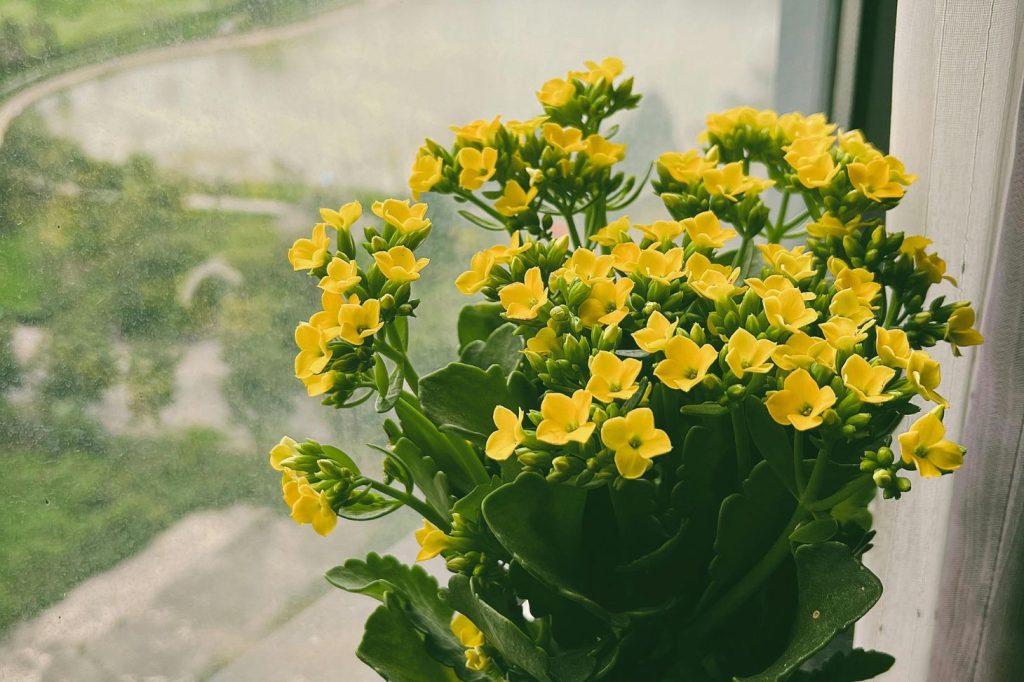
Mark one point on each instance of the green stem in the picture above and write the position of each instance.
(742, 440)
(844, 493)
(741, 252)
(780, 221)
(893, 309)
(798, 462)
(424, 509)
(574, 234)
(472, 198)
(408, 371)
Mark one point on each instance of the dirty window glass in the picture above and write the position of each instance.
(157, 159)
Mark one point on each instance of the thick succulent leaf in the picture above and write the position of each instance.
(835, 590)
(396, 650)
(500, 632)
(463, 396)
(748, 524)
(771, 441)
(818, 530)
(541, 526)
(383, 577)
(847, 666)
(477, 321)
(450, 454)
(387, 398)
(502, 348)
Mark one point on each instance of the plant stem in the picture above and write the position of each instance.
(844, 493)
(798, 462)
(893, 308)
(473, 199)
(780, 221)
(424, 509)
(742, 439)
(741, 252)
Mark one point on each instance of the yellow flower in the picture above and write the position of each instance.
(800, 402)
(508, 434)
(565, 140)
(730, 181)
(360, 320)
(318, 384)
(635, 441)
(399, 264)
(480, 131)
(476, 659)
(817, 172)
(801, 351)
(842, 333)
(504, 253)
(858, 280)
(626, 255)
(875, 180)
(313, 351)
(408, 219)
(688, 167)
(426, 172)
(854, 144)
(543, 342)
(475, 279)
(809, 156)
(585, 265)
(522, 300)
(706, 231)
(565, 419)
(523, 128)
(794, 263)
(342, 275)
(656, 334)
(748, 354)
(710, 280)
(432, 541)
(307, 254)
(846, 304)
(556, 92)
(613, 233)
(467, 633)
(933, 267)
(892, 346)
(685, 364)
(285, 448)
(345, 217)
(515, 199)
(773, 285)
(606, 303)
(612, 378)
(914, 243)
(925, 445)
(786, 310)
(601, 152)
(663, 267)
(311, 506)
(830, 226)
(608, 70)
(662, 231)
(795, 125)
(867, 381)
(477, 166)
(960, 329)
(327, 319)
(925, 374)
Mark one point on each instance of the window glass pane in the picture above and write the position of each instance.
(147, 199)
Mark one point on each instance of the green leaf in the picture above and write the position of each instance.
(815, 531)
(380, 577)
(541, 525)
(395, 382)
(835, 590)
(388, 631)
(340, 457)
(502, 348)
(452, 455)
(499, 632)
(477, 321)
(425, 475)
(480, 221)
(464, 397)
(847, 666)
(770, 439)
(523, 392)
(704, 410)
(748, 524)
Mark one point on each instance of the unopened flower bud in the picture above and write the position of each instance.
(885, 456)
(882, 478)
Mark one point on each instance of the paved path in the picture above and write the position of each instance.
(232, 595)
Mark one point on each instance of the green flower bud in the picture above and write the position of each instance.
(882, 478)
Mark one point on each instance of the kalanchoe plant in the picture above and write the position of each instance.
(654, 456)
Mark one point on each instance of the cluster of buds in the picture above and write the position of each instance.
(364, 309)
(467, 548)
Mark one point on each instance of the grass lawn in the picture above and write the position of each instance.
(66, 517)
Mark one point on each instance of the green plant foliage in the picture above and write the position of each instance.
(502, 348)
(847, 666)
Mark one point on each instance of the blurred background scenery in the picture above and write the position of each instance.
(157, 159)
